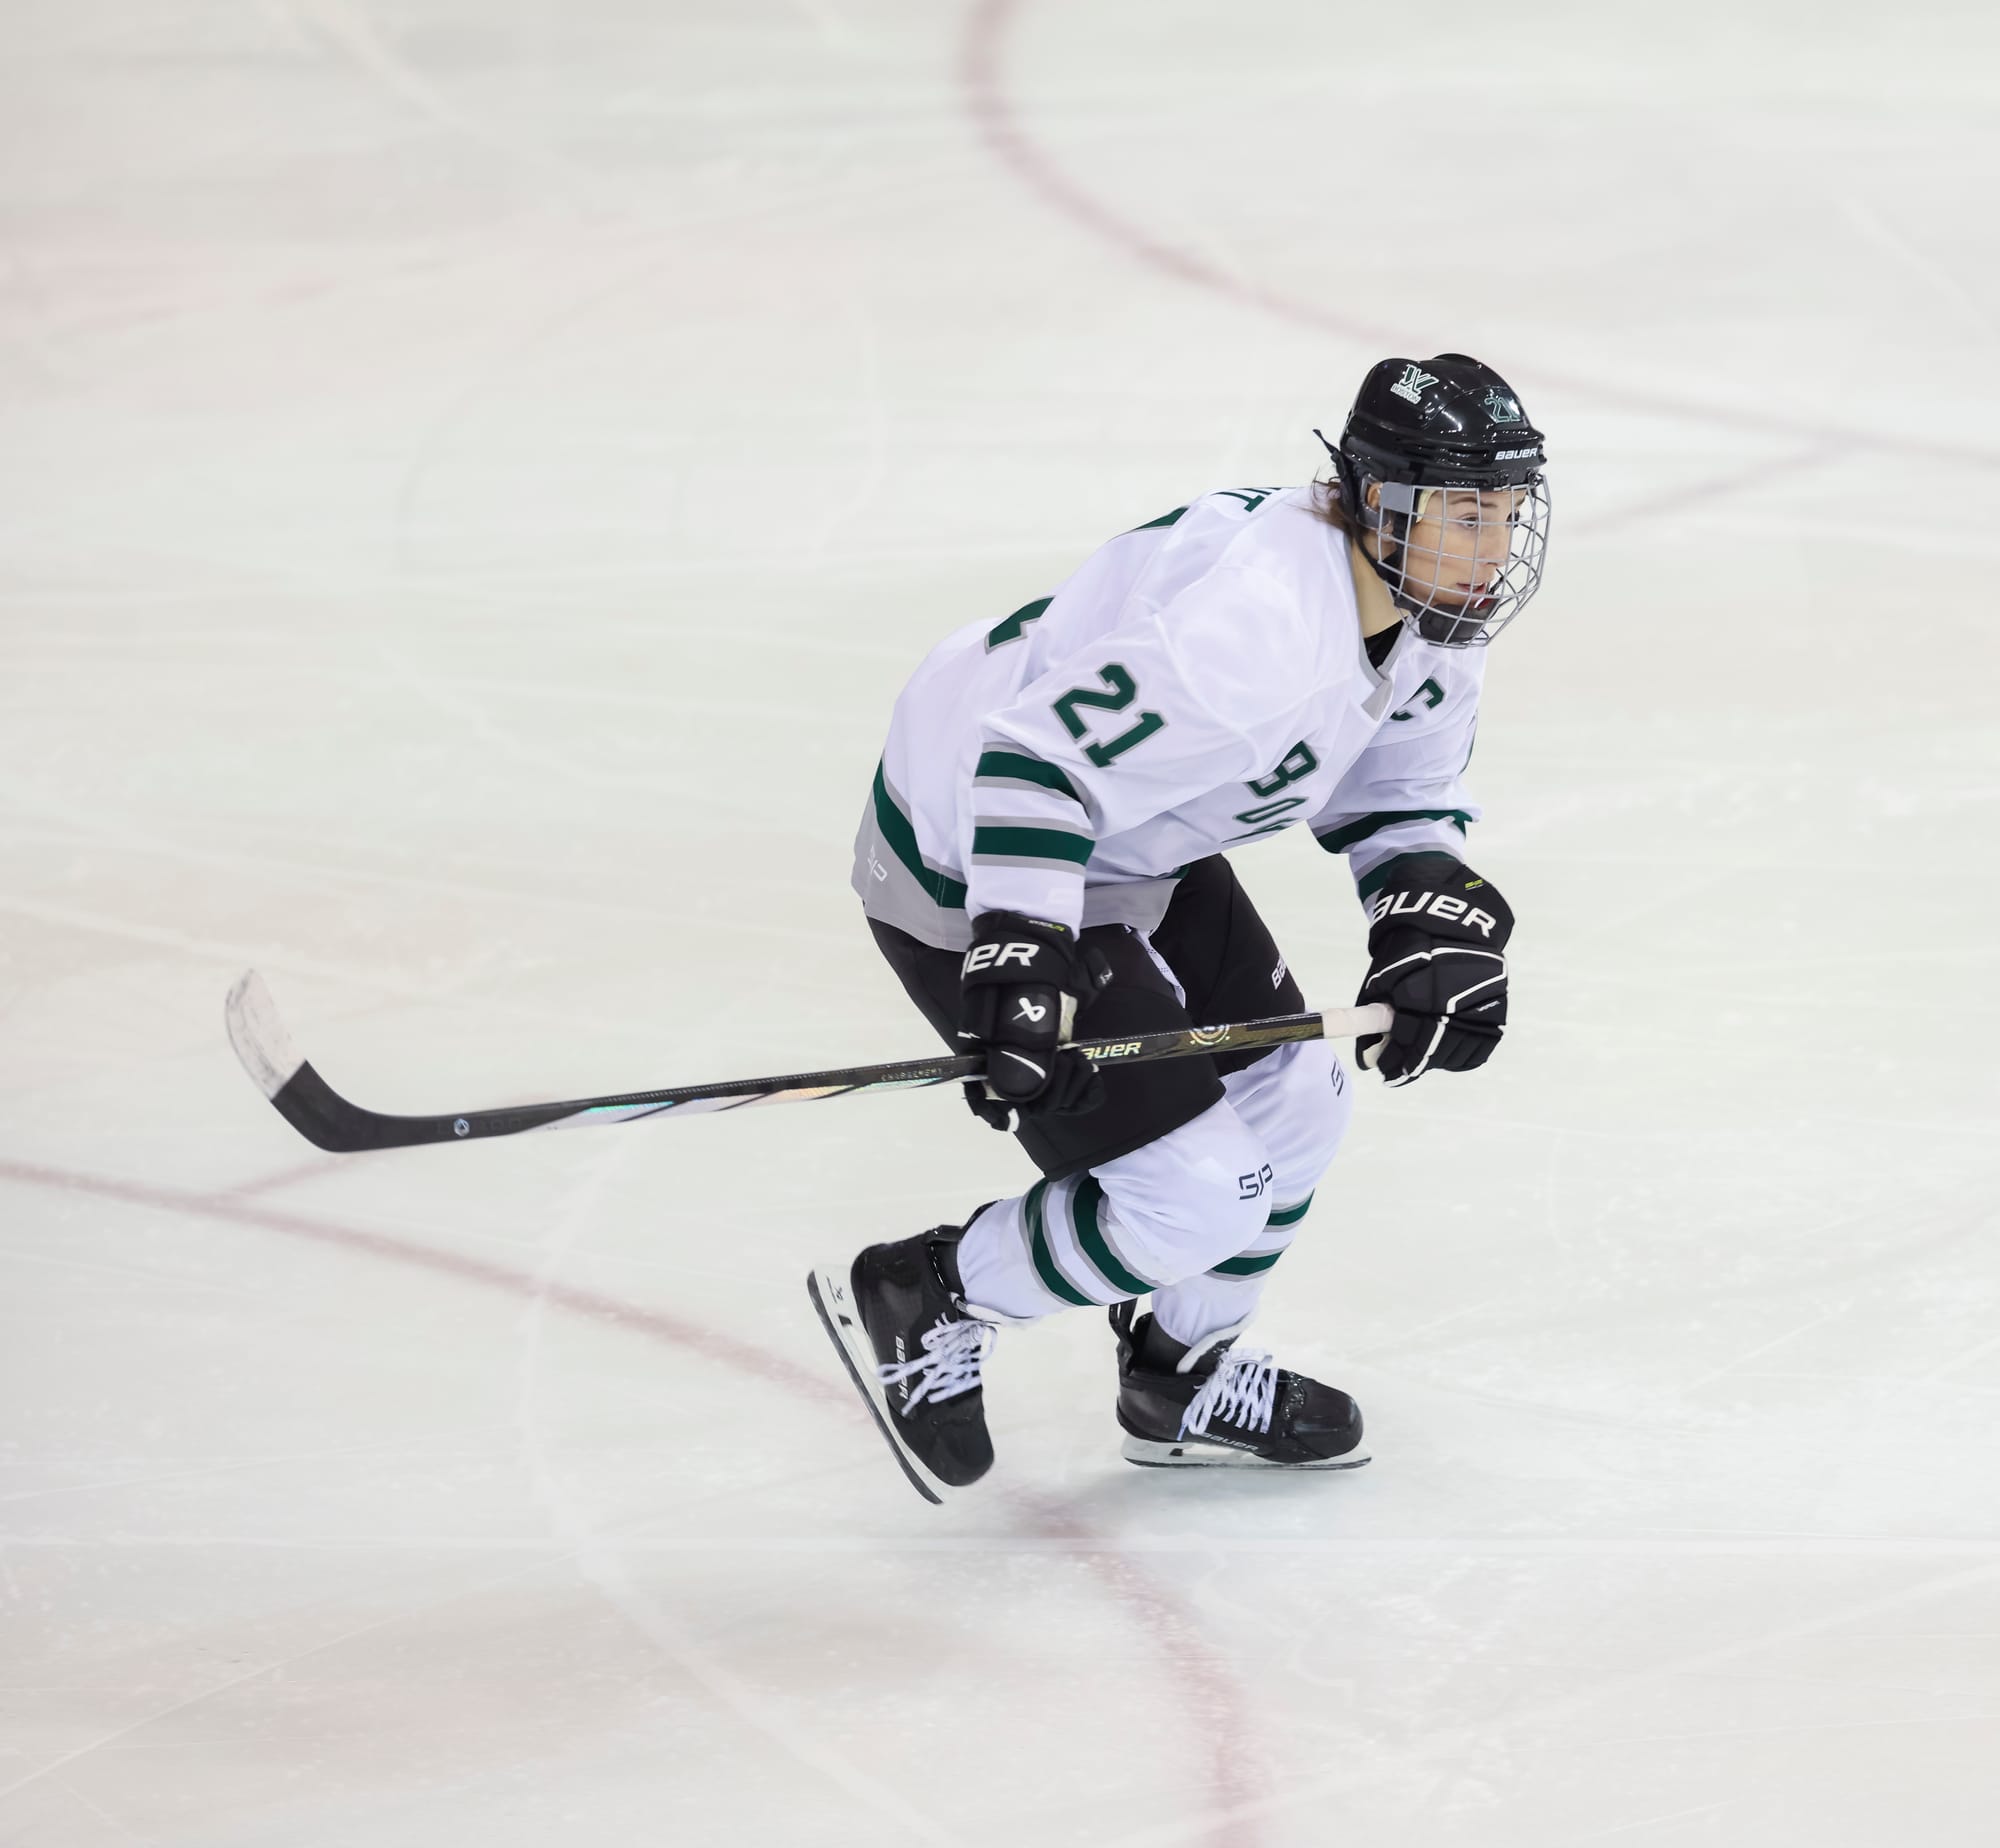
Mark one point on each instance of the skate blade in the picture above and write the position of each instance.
(834, 1300)
(1183, 1454)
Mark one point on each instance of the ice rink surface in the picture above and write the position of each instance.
(472, 479)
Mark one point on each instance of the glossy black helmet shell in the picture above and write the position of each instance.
(1445, 422)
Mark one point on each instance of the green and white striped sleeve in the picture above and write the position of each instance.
(1405, 793)
(1114, 734)
(1031, 836)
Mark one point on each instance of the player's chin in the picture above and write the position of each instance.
(1453, 618)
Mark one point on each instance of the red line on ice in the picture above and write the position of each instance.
(1200, 1685)
(986, 102)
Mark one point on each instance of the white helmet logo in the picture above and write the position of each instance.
(1413, 384)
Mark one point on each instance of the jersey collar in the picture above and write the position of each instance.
(1377, 612)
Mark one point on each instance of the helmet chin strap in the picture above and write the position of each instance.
(1388, 528)
(1354, 497)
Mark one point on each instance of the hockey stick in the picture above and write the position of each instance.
(320, 1114)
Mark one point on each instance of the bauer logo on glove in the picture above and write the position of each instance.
(998, 955)
(1020, 987)
(1396, 903)
(1440, 962)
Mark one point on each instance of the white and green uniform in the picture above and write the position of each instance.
(1199, 683)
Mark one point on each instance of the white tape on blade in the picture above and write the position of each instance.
(259, 1036)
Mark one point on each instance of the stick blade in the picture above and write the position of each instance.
(259, 1036)
(302, 1097)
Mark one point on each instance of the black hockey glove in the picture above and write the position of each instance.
(1437, 951)
(1020, 988)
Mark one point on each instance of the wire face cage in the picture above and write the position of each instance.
(1461, 562)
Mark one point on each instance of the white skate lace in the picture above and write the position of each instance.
(1243, 1391)
(949, 1365)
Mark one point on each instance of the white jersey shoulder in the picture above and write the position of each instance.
(1246, 580)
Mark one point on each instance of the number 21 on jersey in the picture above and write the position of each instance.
(1119, 692)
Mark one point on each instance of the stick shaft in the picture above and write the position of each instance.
(324, 1117)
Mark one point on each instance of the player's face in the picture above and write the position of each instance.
(1458, 544)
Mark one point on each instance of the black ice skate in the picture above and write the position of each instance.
(913, 1347)
(1215, 1406)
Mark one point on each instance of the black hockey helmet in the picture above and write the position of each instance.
(1449, 423)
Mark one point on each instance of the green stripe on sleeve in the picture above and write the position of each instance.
(1246, 1267)
(1038, 1246)
(1015, 626)
(902, 838)
(1032, 844)
(1019, 769)
(1338, 840)
(1290, 1215)
(1090, 1235)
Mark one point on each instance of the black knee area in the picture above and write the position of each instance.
(1223, 956)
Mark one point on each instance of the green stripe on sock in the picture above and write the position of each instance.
(1032, 844)
(1090, 1235)
(1246, 1267)
(1019, 769)
(1290, 1215)
(1038, 1245)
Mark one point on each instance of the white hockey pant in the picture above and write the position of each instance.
(1197, 1218)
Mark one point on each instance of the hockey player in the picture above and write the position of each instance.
(1045, 839)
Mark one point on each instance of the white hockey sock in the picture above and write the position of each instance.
(992, 1270)
(1229, 1293)
(1169, 1209)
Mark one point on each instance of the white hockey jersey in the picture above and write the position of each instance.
(1200, 682)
